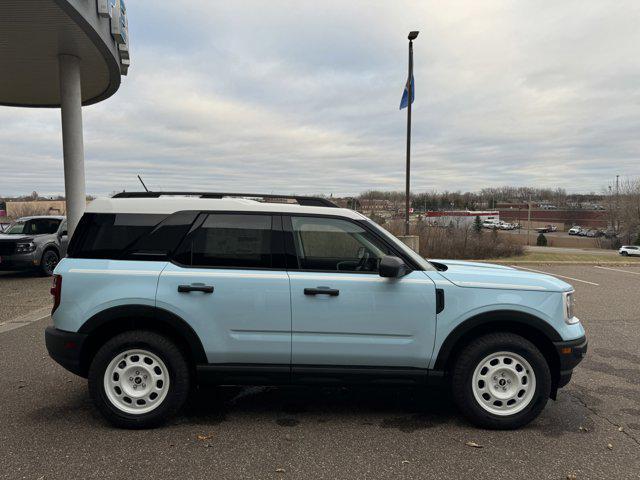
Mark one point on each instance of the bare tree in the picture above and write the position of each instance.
(28, 209)
(623, 208)
(630, 209)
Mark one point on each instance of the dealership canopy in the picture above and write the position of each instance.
(33, 33)
(63, 53)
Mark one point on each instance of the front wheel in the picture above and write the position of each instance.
(624, 254)
(48, 262)
(138, 379)
(501, 381)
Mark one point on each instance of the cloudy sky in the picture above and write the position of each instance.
(302, 97)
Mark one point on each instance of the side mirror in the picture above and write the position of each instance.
(392, 267)
(62, 234)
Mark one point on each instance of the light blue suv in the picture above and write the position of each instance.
(161, 292)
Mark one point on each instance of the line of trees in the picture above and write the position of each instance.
(621, 202)
(36, 197)
(487, 198)
(30, 197)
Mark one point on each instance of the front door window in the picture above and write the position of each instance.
(329, 244)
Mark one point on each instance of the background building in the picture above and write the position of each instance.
(563, 219)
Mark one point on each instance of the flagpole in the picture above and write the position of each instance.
(407, 202)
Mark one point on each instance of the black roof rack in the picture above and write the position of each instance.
(301, 200)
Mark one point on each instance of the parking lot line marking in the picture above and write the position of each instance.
(618, 270)
(557, 275)
(24, 320)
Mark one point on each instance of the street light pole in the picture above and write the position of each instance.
(529, 222)
(412, 36)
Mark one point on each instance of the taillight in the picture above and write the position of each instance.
(56, 291)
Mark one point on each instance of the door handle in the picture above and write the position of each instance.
(332, 292)
(195, 287)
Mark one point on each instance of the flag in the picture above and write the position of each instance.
(405, 95)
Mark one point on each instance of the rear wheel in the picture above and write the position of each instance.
(501, 381)
(139, 379)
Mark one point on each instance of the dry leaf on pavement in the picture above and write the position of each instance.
(473, 444)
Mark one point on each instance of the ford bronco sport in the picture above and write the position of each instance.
(34, 243)
(164, 291)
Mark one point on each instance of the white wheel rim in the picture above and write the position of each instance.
(136, 381)
(503, 383)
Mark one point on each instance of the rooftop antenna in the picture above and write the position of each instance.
(145, 187)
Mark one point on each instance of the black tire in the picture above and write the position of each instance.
(469, 359)
(167, 352)
(48, 262)
(624, 254)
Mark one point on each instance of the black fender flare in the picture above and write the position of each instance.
(504, 320)
(51, 246)
(128, 317)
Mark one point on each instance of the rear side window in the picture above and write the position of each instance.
(36, 226)
(110, 235)
(44, 226)
(229, 241)
(163, 239)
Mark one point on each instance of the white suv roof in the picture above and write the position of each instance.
(172, 204)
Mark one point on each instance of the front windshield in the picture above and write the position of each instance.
(16, 228)
(400, 245)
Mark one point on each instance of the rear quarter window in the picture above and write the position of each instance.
(110, 235)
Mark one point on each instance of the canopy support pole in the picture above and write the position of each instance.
(72, 139)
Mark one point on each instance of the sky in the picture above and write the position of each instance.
(302, 97)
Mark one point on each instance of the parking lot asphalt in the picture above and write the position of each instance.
(49, 428)
(22, 293)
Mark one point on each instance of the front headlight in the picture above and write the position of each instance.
(25, 247)
(569, 308)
